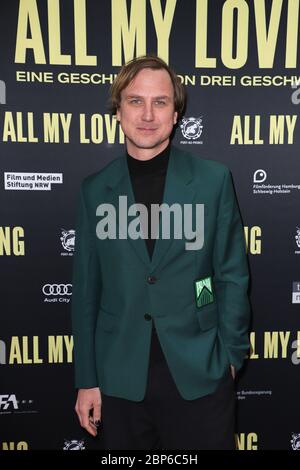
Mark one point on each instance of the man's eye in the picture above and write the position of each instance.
(135, 101)
(160, 102)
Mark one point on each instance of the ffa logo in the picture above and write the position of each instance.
(191, 128)
(68, 239)
(203, 291)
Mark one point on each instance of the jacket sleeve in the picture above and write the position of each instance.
(85, 297)
(231, 276)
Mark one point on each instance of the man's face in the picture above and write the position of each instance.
(146, 112)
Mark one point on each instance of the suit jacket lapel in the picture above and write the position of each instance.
(178, 189)
(122, 187)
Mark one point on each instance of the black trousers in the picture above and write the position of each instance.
(163, 419)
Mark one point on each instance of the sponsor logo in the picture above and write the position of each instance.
(57, 293)
(74, 445)
(18, 181)
(261, 187)
(295, 441)
(10, 404)
(68, 242)
(297, 239)
(57, 289)
(191, 129)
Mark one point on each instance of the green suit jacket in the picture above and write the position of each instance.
(114, 304)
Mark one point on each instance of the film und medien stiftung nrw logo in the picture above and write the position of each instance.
(296, 293)
(295, 441)
(68, 242)
(74, 444)
(191, 129)
(20, 181)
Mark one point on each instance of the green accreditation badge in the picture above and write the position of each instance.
(203, 291)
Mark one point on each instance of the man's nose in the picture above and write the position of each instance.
(147, 112)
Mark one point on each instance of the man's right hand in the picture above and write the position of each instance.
(89, 399)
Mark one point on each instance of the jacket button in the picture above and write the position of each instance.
(147, 316)
(151, 280)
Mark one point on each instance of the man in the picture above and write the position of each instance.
(159, 323)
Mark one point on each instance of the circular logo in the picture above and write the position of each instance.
(298, 237)
(68, 239)
(295, 441)
(57, 289)
(74, 445)
(191, 128)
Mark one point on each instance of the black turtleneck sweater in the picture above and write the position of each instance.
(148, 181)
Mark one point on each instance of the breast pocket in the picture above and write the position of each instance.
(207, 316)
(107, 321)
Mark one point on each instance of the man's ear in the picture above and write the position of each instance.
(175, 118)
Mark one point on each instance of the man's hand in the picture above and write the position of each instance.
(89, 399)
(232, 371)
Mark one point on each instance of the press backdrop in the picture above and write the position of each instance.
(240, 62)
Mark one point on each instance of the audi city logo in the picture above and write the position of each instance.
(57, 289)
